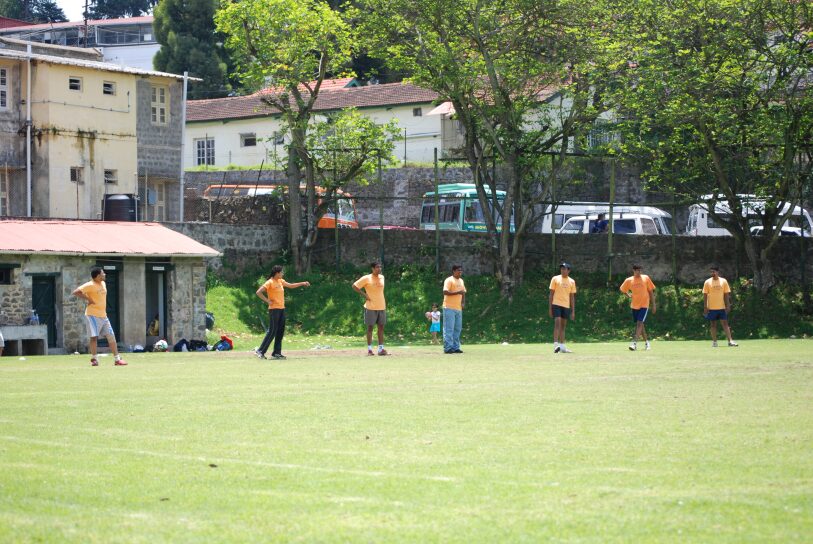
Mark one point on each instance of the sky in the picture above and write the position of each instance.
(73, 8)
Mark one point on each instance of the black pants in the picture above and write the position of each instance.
(276, 330)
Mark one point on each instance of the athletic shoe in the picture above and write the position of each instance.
(458, 351)
(94, 362)
(382, 352)
(633, 346)
(260, 355)
(565, 350)
(648, 347)
(278, 356)
(733, 344)
(557, 349)
(714, 344)
(370, 353)
(120, 362)
(448, 352)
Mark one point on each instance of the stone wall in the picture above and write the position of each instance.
(587, 253)
(244, 247)
(187, 300)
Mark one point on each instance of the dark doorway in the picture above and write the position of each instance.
(112, 280)
(156, 296)
(44, 302)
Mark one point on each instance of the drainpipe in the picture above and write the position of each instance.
(183, 138)
(28, 136)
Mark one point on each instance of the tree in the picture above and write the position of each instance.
(289, 47)
(717, 100)
(518, 76)
(115, 9)
(186, 31)
(35, 11)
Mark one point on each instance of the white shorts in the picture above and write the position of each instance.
(2, 342)
(98, 326)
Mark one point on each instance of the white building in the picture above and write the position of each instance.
(244, 130)
(128, 41)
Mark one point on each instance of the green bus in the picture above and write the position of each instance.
(458, 209)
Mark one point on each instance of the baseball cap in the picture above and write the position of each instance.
(565, 265)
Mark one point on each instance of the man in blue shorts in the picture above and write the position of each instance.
(717, 305)
(641, 291)
(561, 306)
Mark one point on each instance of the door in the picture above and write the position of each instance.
(156, 296)
(44, 302)
(112, 282)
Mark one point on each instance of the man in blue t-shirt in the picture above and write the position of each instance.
(600, 226)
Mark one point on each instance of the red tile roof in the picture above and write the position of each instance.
(106, 238)
(331, 97)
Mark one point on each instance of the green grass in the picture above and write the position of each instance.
(331, 308)
(501, 444)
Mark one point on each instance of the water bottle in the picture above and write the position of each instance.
(35, 319)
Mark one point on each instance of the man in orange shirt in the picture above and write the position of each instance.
(375, 307)
(562, 306)
(717, 305)
(272, 292)
(641, 291)
(454, 300)
(94, 293)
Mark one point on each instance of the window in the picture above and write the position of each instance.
(160, 211)
(3, 89)
(6, 276)
(158, 106)
(75, 83)
(77, 174)
(648, 226)
(4, 193)
(111, 176)
(108, 87)
(417, 112)
(624, 226)
(205, 151)
(248, 140)
(279, 139)
(573, 227)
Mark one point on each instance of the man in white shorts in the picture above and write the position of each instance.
(94, 293)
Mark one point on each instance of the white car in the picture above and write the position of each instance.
(623, 223)
(701, 223)
(554, 219)
(786, 231)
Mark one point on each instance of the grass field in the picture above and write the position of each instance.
(503, 443)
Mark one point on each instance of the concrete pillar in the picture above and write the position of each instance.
(133, 297)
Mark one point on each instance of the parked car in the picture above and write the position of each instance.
(555, 219)
(701, 223)
(623, 223)
(786, 231)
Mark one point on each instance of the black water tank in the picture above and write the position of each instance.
(119, 208)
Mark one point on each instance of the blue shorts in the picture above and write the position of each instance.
(717, 315)
(434, 327)
(639, 314)
(561, 311)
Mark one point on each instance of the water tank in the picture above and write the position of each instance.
(119, 208)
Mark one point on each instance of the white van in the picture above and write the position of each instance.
(702, 224)
(555, 220)
(623, 223)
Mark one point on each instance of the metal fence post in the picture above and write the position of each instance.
(437, 219)
(612, 227)
(553, 213)
(380, 211)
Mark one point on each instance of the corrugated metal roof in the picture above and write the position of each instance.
(95, 65)
(97, 238)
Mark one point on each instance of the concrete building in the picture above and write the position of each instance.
(127, 42)
(96, 129)
(244, 130)
(151, 270)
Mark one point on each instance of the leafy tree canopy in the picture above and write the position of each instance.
(115, 9)
(35, 11)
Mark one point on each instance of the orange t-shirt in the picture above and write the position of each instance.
(276, 293)
(716, 291)
(453, 302)
(562, 289)
(640, 288)
(374, 289)
(97, 293)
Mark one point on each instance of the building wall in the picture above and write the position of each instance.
(159, 146)
(86, 129)
(422, 136)
(187, 300)
(12, 144)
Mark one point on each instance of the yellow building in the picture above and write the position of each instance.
(91, 123)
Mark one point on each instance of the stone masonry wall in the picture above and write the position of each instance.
(187, 300)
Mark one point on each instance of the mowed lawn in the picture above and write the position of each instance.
(501, 444)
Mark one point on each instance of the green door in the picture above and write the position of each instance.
(112, 282)
(44, 302)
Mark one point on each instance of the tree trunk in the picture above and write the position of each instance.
(293, 175)
(760, 261)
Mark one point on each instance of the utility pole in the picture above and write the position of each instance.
(85, 15)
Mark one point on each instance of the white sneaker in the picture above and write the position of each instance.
(565, 350)
(733, 344)
(714, 344)
(557, 348)
(633, 346)
(648, 347)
